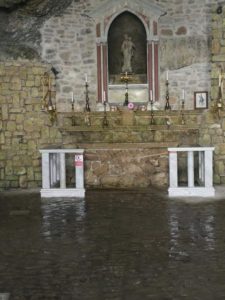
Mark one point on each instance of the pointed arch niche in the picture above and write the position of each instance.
(117, 18)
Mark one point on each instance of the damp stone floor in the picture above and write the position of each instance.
(112, 245)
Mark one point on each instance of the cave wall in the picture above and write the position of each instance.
(64, 37)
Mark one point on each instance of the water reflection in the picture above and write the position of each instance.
(59, 214)
(189, 227)
(113, 245)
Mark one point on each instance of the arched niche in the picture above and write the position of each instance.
(106, 16)
(128, 24)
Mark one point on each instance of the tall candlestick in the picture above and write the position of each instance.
(183, 94)
(151, 95)
(72, 99)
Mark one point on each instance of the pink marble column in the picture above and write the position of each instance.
(99, 72)
(156, 71)
(105, 69)
(149, 68)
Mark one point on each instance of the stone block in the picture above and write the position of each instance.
(34, 92)
(215, 46)
(38, 70)
(5, 112)
(30, 174)
(29, 83)
(220, 149)
(166, 32)
(32, 145)
(217, 139)
(218, 58)
(9, 170)
(38, 176)
(216, 179)
(11, 126)
(14, 183)
(127, 118)
(221, 168)
(181, 30)
(20, 171)
(29, 125)
(23, 181)
(2, 138)
(222, 180)
(159, 137)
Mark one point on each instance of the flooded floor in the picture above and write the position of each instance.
(119, 245)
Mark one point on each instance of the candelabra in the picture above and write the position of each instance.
(126, 78)
(152, 121)
(105, 122)
(167, 106)
(73, 117)
(47, 103)
(87, 107)
(182, 112)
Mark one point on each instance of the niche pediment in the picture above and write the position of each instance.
(142, 7)
(105, 13)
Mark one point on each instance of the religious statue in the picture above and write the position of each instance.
(127, 49)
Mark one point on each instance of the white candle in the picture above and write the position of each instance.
(219, 80)
(183, 94)
(86, 78)
(167, 75)
(103, 96)
(150, 94)
(72, 99)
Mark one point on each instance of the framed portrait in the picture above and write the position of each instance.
(200, 100)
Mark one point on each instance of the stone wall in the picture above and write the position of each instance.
(68, 43)
(213, 125)
(24, 129)
(129, 153)
(126, 154)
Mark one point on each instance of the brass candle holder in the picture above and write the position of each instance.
(73, 117)
(87, 106)
(182, 112)
(126, 78)
(152, 121)
(105, 122)
(46, 103)
(167, 105)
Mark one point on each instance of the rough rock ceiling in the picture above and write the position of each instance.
(20, 21)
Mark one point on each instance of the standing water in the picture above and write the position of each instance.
(119, 245)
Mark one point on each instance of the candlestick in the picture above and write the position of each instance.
(105, 122)
(167, 106)
(87, 107)
(72, 99)
(183, 94)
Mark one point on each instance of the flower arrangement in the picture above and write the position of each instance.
(130, 105)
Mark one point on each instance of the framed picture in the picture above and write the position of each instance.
(200, 100)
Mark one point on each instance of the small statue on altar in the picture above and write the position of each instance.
(127, 49)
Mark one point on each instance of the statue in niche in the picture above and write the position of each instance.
(127, 49)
